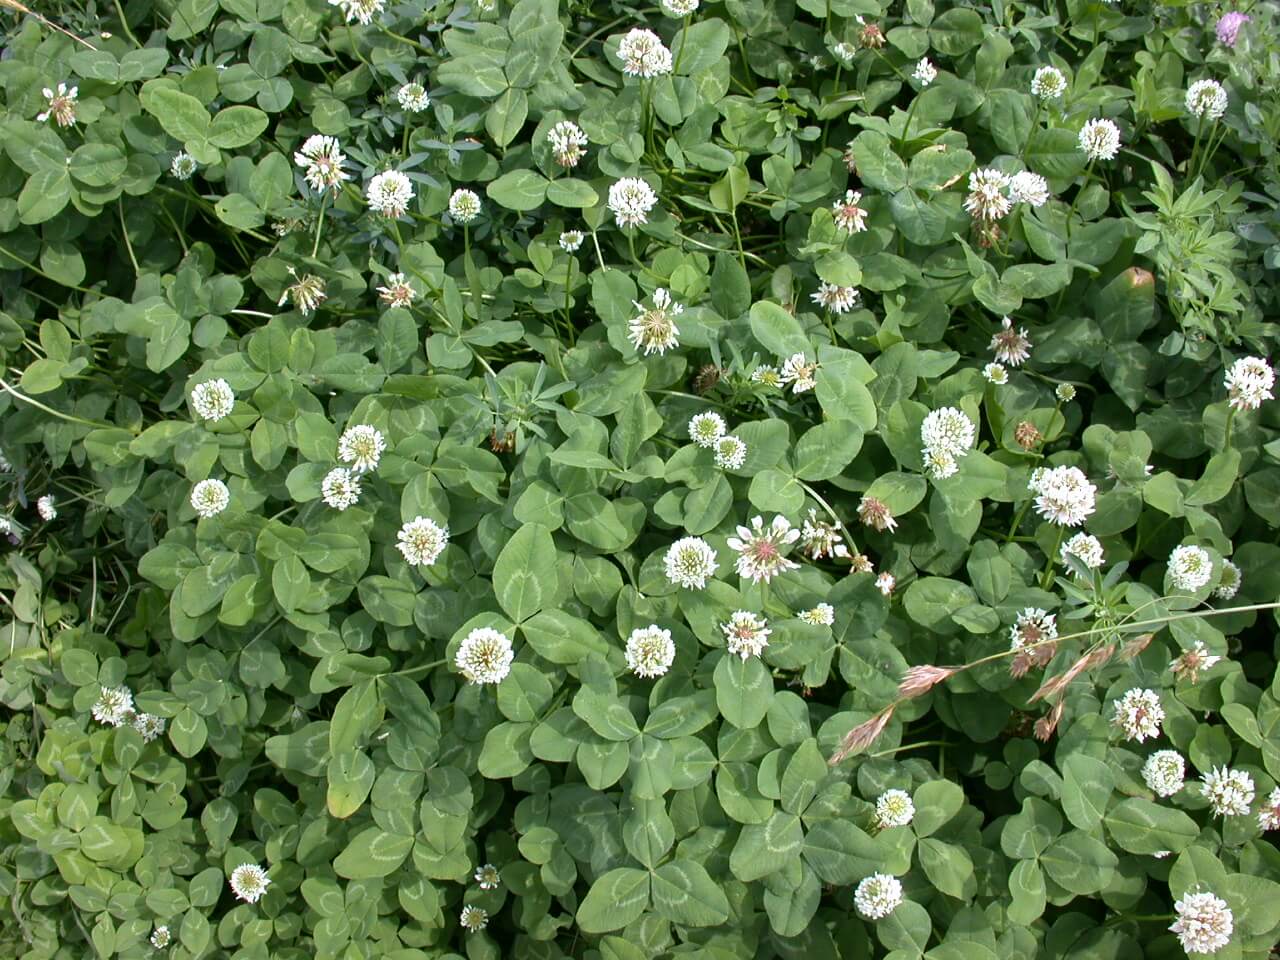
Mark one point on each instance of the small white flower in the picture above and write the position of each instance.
(45, 507)
(631, 199)
(835, 298)
(706, 428)
(340, 488)
(148, 725)
(1064, 495)
(996, 374)
(1139, 714)
(306, 292)
(249, 882)
(690, 562)
(878, 896)
(875, 513)
(321, 159)
(422, 540)
(362, 447)
(1164, 772)
(1028, 187)
(679, 8)
(474, 919)
(210, 497)
(1229, 792)
(61, 106)
(1065, 392)
(484, 656)
(939, 464)
(1012, 346)
(823, 615)
(1207, 98)
(114, 705)
(948, 429)
(845, 51)
(487, 876)
(464, 205)
(212, 400)
(1032, 639)
(1100, 140)
(1204, 923)
(398, 291)
(389, 193)
(925, 72)
(1048, 83)
(1084, 547)
(799, 372)
(1229, 583)
(650, 651)
(820, 538)
(571, 240)
(1190, 567)
(767, 374)
(181, 168)
(848, 215)
(747, 634)
(1189, 663)
(643, 54)
(1269, 815)
(654, 329)
(160, 937)
(413, 97)
(894, 809)
(760, 548)
(568, 143)
(359, 11)
(885, 582)
(987, 199)
(731, 453)
(1249, 381)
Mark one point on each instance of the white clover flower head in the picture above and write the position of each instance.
(631, 199)
(568, 143)
(362, 447)
(1230, 581)
(799, 372)
(847, 213)
(760, 548)
(413, 97)
(359, 11)
(1065, 392)
(321, 159)
(1048, 83)
(679, 8)
(1139, 714)
(474, 919)
(821, 538)
(1229, 792)
(209, 498)
(422, 540)
(1269, 815)
(1100, 139)
(948, 429)
(148, 725)
(340, 488)
(689, 562)
(925, 72)
(767, 374)
(464, 205)
(875, 513)
(160, 937)
(249, 882)
(571, 240)
(885, 582)
(643, 54)
(45, 507)
(1064, 495)
(1207, 98)
(1164, 772)
(1011, 345)
(845, 51)
(823, 615)
(706, 428)
(1190, 567)
(487, 876)
(212, 400)
(939, 464)
(389, 193)
(987, 199)
(1028, 187)
(746, 634)
(398, 291)
(61, 106)
(654, 329)
(835, 298)
(731, 453)
(877, 896)
(1249, 381)
(1204, 922)
(182, 167)
(306, 292)
(861, 563)
(484, 656)
(1032, 640)
(650, 651)
(1189, 663)
(1084, 547)
(995, 373)
(114, 706)
(894, 809)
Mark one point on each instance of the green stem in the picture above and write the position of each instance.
(418, 669)
(56, 413)
(684, 31)
(1046, 579)
(124, 23)
(1088, 172)
(906, 129)
(1210, 147)
(568, 288)
(1226, 440)
(1195, 148)
(1035, 120)
(315, 247)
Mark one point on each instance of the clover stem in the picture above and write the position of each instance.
(1195, 147)
(568, 288)
(1088, 173)
(684, 36)
(1046, 579)
(1226, 440)
(315, 247)
(1035, 119)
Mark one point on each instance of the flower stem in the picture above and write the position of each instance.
(1088, 173)
(315, 247)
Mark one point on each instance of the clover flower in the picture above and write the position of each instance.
(885, 582)
(321, 159)
(845, 51)
(877, 896)
(643, 54)
(835, 298)
(160, 937)
(1064, 495)
(894, 809)
(1207, 98)
(650, 651)
(148, 725)
(1100, 139)
(571, 240)
(848, 215)
(484, 656)
(1048, 83)
(820, 538)
(768, 375)
(360, 11)
(746, 634)
(114, 705)
(1164, 772)
(1189, 663)
(706, 428)
(1269, 815)
(398, 291)
(340, 488)
(474, 919)
(422, 540)
(389, 194)
(362, 447)
(1229, 582)
(947, 429)
(1011, 345)
(631, 199)
(861, 563)
(568, 143)
(464, 205)
(689, 562)
(996, 374)
(249, 882)
(1204, 923)
(759, 549)
(799, 372)
(1139, 714)
(61, 106)
(731, 453)
(413, 97)
(1065, 392)
(1031, 639)
(306, 292)
(1228, 27)
(1028, 187)
(181, 168)
(487, 876)
(1084, 547)
(939, 464)
(987, 199)
(1228, 791)
(925, 72)
(1249, 381)
(876, 514)
(1189, 567)
(45, 507)
(654, 328)
(823, 615)
(210, 497)
(212, 400)
(679, 8)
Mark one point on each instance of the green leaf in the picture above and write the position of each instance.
(684, 893)
(827, 449)
(841, 853)
(237, 126)
(765, 848)
(1140, 826)
(879, 167)
(519, 190)
(1086, 788)
(744, 690)
(567, 192)
(372, 853)
(524, 576)
(777, 330)
(182, 115)
(44, 195)
(936, 802)
(1079, 863)
(614, 900)
(506, 116)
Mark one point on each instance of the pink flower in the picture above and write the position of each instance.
(1229, 25)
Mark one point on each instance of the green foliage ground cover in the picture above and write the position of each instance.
(389, 393)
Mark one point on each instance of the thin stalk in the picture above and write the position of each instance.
(128, 244)
(324, 202)
(72, 418)
(831, 513)
(1210, 147)
(1195, 148)
(568, 288)
(1046, 579)
(1088, 173)
(684, 31)
(906, 129)
(124, 24)
(418, 669)
(1226, 440)
(1035, 120)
